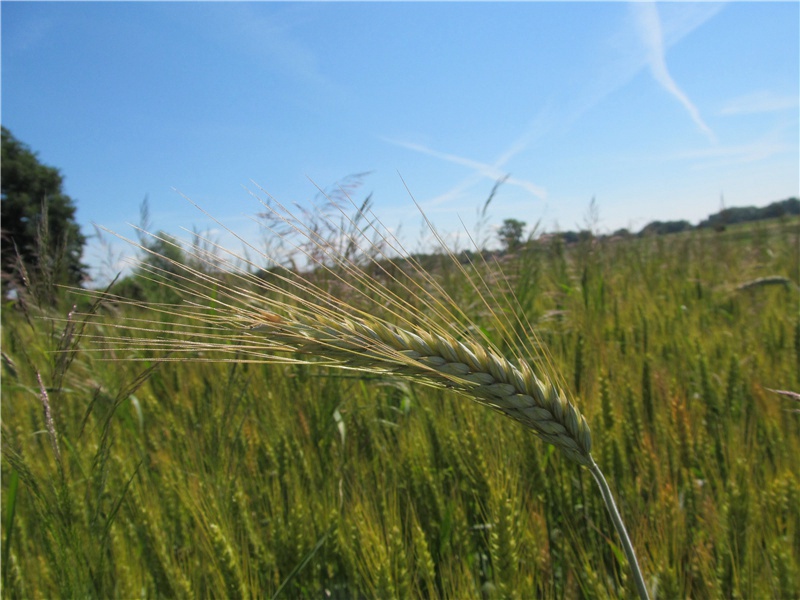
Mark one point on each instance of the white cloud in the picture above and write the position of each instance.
(759, 102)
(650, 32)
(736, 154)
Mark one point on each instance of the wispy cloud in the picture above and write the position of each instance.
(265, 34)
(759, 102)
(482, 170)
(764, 148)
(621, 61)
(649, 28)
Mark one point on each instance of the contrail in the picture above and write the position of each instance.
(649, 23)
(486, 170)
(578, 102)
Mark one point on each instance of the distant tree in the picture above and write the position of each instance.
(510, 234)
(790, 206)
(665, 227)
(570, 237)
(728, 216)
(38, 219)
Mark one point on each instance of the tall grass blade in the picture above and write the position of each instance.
(10, 497)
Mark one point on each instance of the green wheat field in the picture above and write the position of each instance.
(196, 479)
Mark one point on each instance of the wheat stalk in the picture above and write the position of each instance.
(373, 312)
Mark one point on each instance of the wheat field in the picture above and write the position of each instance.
(242, 427)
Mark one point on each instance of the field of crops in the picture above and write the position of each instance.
(243, 480)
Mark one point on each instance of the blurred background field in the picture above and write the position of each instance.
(198, 479)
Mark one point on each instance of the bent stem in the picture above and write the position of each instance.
(611, 505)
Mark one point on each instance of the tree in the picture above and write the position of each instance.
(510, 233)
(38, 219)
(664, 227)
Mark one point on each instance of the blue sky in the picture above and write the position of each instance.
(658, 111)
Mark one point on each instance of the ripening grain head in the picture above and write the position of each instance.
(359, 301)
(363, 303)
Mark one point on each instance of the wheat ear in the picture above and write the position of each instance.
(234, 313)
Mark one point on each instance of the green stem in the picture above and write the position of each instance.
(620, 527)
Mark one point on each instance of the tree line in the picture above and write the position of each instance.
(42, 241)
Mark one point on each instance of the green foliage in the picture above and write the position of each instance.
(742, 214)
(665, 227)
(38, 221)
(782, 209)
(200, 479)
(510, 234)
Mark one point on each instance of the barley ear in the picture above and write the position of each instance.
(375, 314)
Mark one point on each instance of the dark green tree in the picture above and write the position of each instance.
(510, 234)
(38, 220)
(664, 227)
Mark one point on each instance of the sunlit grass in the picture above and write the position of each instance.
(238, 479)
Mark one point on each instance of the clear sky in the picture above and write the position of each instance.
(658, 111)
